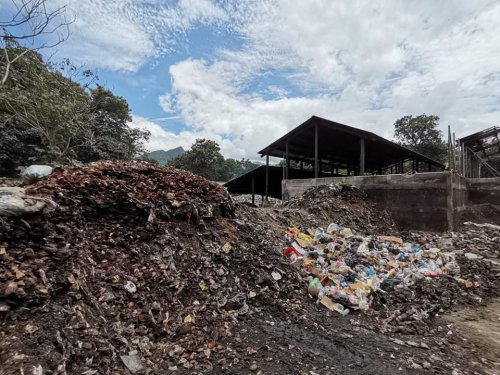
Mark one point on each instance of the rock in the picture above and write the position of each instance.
(253, 366)
(276, 276)
(132, 362)
(412, 343)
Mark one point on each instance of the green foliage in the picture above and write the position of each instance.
(204, 158)
(421, 134)
(46, 117)
(234, 168)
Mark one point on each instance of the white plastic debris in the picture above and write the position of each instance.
(276, 276)
(132, 362)
(35, 172)
(130, 287)
(15, 202)
(471, 256)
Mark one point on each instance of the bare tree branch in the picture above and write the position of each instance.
(31, 20)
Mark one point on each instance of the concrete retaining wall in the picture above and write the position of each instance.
(484, 190)
(424, 201)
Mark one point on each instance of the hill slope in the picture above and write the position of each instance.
(162, 156)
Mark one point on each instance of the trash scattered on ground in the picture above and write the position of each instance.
(15, 202)
(34, 173)
(347, 271)
(145, 269)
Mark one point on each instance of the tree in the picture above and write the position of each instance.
(49, 118)
(107, 135)
(30, 20)
(204, 159)
(234, 168)
(45, 106)
(421, 134)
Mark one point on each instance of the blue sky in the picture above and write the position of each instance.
(245, 72)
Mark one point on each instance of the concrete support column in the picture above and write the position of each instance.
(361, 156)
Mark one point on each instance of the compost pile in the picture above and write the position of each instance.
(345, 205)
(137, 267)
(133, 188)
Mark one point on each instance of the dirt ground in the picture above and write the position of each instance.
(479, 329)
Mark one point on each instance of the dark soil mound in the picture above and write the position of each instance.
(345, 205)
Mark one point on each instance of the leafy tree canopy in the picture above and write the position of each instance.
(421, 134)
(47, 117)
(204, 158)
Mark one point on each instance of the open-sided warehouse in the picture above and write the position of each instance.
(321, 147)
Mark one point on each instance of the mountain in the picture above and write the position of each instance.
(162, 156)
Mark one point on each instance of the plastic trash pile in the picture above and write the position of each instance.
(345, 269)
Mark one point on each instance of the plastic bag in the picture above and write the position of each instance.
(35, 172)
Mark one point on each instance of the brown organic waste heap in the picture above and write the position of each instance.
(149, 270)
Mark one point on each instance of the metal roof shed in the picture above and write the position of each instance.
(323, 143)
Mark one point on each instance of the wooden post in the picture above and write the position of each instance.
(449, 149)
(362, 157)
(267, 178)
(253, 189)
(287, 167)
(453, 152)
(315, 150)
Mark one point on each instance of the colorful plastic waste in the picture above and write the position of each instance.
(345, 268)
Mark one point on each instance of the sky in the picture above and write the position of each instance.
(243, 73)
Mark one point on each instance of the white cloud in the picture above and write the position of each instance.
(360, 63)
(363, 63)
(166, 102)
(124, 34)
(162, 139)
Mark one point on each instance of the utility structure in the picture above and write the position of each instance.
(322, 148)
(479, 154)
